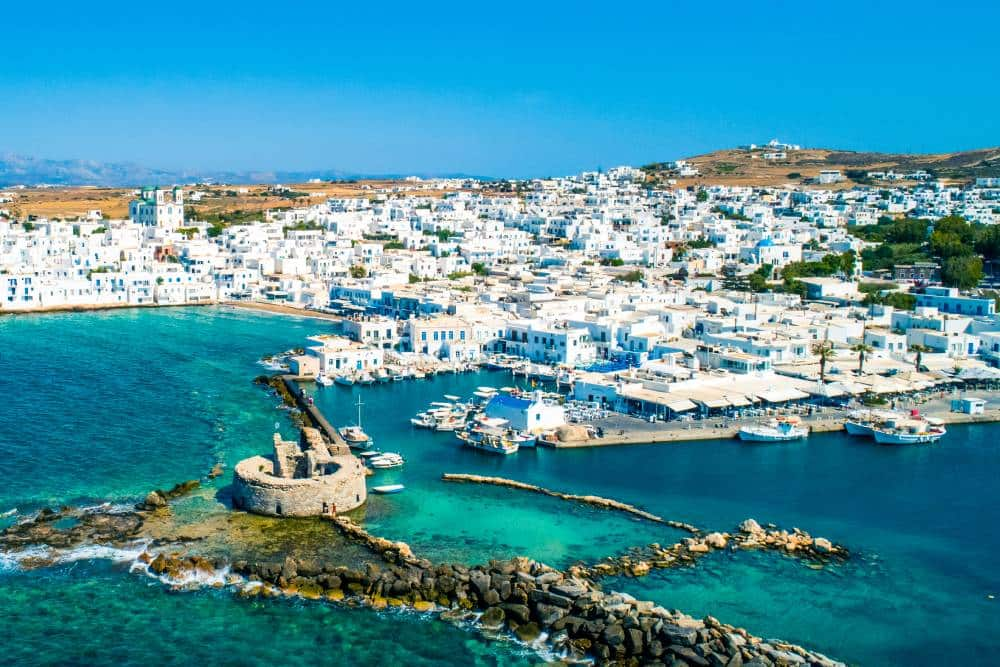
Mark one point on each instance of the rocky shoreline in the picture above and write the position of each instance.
(566, 612)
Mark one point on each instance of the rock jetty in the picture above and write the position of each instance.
(640, 561)
(534, 602)
(596, 501)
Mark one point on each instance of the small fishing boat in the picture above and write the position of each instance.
(324, 380)
(864, 422)
(910, 432)
(344, 380)
(388, 488)
(366, 379)
(777, 430)
(452, 398)
(487, 441)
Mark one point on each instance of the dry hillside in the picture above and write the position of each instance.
(739, 167)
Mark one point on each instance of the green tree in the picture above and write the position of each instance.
(632, 276)
(823, 350)
(964, 272)
(988, 242)
(702, 195)
(443, 235)
(862, 350)
(358, 271)
(918, 360)
(479, 269)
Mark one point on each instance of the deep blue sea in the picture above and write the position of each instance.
(106, 405)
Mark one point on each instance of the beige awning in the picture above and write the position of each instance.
(781, 395)
(681, 406)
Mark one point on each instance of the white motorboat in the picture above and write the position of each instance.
(452, 398)
(776, 430)
(366, 379)
(386, 460)
(423, 420)
(388, 488)
(324, 380)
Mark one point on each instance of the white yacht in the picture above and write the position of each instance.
(324, 380)
(386, 460)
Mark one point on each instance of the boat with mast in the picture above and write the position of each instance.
(354, 435)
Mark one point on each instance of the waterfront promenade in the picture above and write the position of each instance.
(621, 429)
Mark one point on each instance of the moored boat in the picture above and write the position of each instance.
(354, 436)
(324, 380)
(386, 460)
(776, 430)
(388, 488)
(344, 380)
(910, 432)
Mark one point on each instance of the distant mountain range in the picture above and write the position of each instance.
(25, 170)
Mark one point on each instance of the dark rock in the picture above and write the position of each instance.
(289, 569)
(528, 632)
(688, 656)
(547, 614)
(569, 589)
(491, 597)
(517, 612)
(308, 568)
(540, 596)
(613, 635)
(679, 635)
(492, 618)
(634, 641)
(480, 582)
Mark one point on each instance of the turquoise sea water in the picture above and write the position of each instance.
(104, 406)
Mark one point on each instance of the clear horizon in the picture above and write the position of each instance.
(520, 91)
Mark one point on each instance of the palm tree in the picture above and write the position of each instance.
(862, 350)
(919, 349)
(824, 351)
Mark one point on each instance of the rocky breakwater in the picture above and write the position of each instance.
(49, 532)
(640, 561)
(536, 603)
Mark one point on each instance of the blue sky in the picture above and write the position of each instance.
(499, 88)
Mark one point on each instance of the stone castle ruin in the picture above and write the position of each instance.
(310, 477)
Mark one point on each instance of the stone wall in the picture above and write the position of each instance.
(257, 490)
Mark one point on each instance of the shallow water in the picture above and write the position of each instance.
(108, 405)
